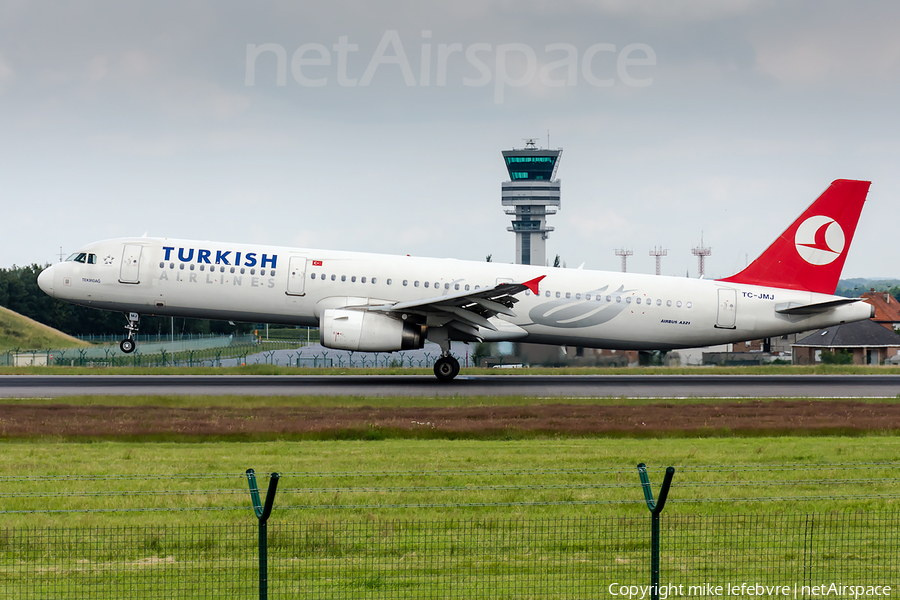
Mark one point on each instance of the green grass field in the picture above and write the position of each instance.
(422, 479)
(551, 517)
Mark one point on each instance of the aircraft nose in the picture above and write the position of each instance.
(45, 281)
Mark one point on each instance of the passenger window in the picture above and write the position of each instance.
(426, 284)
(322, 277)
(312, 276)
(628, 300)
(467, 287)
(578, 297)
(456, 286)
(446, 286)
(202, 267)
(231, 270)
(678, 304)
(618, 298)
(638, 300)
(222, 270)
(587, 296)
(416, 284)
(263, 272)
(659, 301)
(547, 293)
(437, 284)
(389, 282)
(353, 279)
(362, 279)
(343, 278)
(253, 271)
(333, 277)
(242, 269)
(162, 265)
(568, 295)
(171, 265)
(405, 282)
(668, 303)
(689, 305)
(192, 268)
(557, 294)
(181, 266)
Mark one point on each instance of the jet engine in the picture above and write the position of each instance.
(358, 330)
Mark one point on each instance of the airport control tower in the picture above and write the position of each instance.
(532, 193)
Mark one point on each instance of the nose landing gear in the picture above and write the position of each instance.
(128, 344)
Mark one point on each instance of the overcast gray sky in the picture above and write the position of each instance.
(378, 126)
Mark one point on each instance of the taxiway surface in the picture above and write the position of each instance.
(580, 386)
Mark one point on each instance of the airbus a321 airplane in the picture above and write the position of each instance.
(378, 303)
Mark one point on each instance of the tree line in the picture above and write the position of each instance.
(19, 292)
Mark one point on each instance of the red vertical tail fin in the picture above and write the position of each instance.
(810, 254)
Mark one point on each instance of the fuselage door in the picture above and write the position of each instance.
(129, 272)
(297, 276)
(725, 318)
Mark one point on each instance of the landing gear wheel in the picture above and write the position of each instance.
(127, 346)
(446, 368)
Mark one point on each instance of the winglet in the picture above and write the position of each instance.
(533, 284)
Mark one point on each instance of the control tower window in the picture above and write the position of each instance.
(530, 167)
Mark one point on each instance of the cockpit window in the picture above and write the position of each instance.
(78, 257)
(92, 259)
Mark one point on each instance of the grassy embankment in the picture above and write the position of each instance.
(17, 331)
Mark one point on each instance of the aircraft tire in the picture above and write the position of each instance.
(446, 368)
(127, 346)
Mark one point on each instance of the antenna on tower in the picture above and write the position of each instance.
(701, 252)
(624, 254)
(658, 253)
(531, 143)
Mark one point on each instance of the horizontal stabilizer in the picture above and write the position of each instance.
(795, 308)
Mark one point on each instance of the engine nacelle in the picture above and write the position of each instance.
(358, 330)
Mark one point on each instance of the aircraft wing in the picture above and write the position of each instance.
(464, 311)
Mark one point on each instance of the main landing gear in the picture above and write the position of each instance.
(446, 367)
(128, 345)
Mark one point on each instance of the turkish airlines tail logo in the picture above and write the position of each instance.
(810, 254)
(819, 240)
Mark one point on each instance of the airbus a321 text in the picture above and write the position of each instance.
(379, 303)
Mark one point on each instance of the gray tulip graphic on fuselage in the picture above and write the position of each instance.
(580, 313)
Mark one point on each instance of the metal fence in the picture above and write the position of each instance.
(596, 543)
(772, 555)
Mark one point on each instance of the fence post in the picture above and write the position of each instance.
(655, 509)
(262, 513)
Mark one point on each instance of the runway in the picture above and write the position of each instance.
(562, 386)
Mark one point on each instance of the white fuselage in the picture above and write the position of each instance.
(294, 286)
